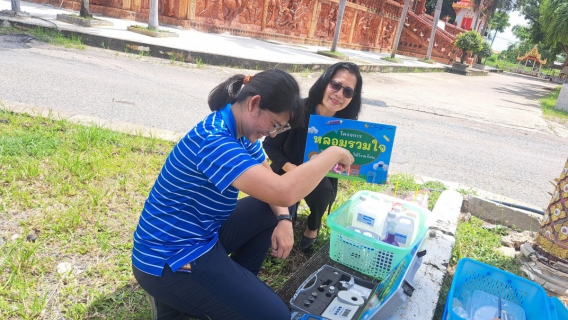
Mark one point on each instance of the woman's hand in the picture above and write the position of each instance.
(282, 239)
(346, 160)
(288, 166)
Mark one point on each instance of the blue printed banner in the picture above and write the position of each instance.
(369, 143)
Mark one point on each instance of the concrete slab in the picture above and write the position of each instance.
(439, 246)
(562, 102)
(496, 213)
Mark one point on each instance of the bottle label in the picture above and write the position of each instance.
(365, 219)
(400, 238)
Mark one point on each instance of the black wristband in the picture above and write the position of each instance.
(284, 217)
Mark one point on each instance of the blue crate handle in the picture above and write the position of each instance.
(561, 310)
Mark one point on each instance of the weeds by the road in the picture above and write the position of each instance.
(46, 35)
(549, 102)
(70, 199)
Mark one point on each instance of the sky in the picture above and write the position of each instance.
(504, 39)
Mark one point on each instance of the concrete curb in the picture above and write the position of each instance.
(195, 57)
(439, 245)
(504, 215)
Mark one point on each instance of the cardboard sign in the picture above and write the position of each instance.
(369, 143)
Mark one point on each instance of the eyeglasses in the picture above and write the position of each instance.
(278, 128)
(335, 86)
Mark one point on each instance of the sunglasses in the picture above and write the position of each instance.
(335, 86)
(277, 127)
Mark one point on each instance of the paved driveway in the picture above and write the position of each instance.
(484, 132)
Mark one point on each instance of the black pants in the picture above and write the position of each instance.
(319, 201)
(220, 286)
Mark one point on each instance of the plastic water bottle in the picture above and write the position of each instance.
(390, 228)
(391, 217)
(406, 227)
(366, 215)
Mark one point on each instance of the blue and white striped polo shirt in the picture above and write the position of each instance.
(193, 195)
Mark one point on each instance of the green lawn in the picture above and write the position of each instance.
(549, 102)
(73, 194)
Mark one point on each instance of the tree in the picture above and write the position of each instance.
(531, 11)
(484, 51)
(554, 24)
(489, 8)
(84, 11)
(499, 22)
(468, 41)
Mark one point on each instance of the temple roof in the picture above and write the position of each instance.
(463, 4)
(532, 55)
(471, 4)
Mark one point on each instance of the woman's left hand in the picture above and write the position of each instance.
(282, 239)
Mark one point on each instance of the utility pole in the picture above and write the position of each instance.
(342, 4)
(153, 17)
(434, 27)
(399, 29)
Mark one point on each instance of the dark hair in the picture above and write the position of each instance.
(317, 91)
(279, 93)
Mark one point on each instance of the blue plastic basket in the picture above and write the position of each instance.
(473, 275)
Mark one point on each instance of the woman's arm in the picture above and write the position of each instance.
(292, 186)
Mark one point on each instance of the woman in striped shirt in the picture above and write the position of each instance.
(197, 249)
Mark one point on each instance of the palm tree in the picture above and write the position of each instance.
(554, 23)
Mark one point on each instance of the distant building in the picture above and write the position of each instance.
(465, 15)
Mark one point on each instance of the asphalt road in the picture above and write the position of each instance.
(482, 132)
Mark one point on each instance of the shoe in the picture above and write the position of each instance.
(306, 243)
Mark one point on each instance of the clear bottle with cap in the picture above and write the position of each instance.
(389, 229)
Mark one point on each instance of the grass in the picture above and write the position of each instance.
(46, 35)
(430, 61)
(333, 54)
(78, 16)
(137, 26)
(395, 60)
(549, 102)
(306, 72)
(199, 62)
(73, 194)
